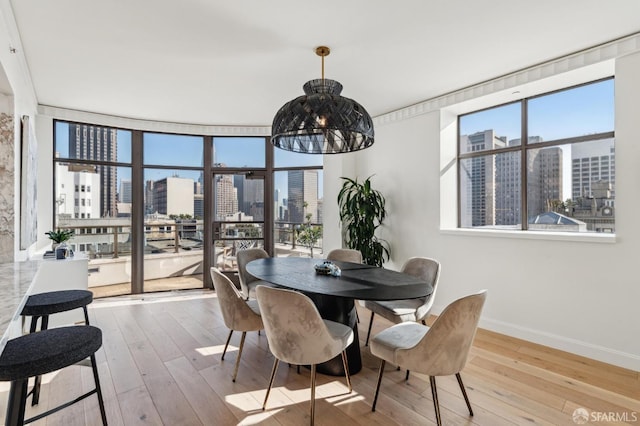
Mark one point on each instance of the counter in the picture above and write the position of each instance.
(19, 279)
(16, 279)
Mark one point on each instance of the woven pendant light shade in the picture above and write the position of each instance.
(321, 121)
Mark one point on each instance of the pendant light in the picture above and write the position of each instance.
(321, 121)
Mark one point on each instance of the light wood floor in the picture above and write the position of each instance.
(160, 365)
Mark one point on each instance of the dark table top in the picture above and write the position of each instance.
(357, 281)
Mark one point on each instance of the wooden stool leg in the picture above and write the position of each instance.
(17, 402)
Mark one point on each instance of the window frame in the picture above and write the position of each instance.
(524, 148)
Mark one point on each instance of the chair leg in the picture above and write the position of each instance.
(313, 394)
(17, 402)
(366, 343)
(407, 376)
(226, 345)
(345, 365)
(35, 392)
(273, 375)
(464, 393)
(235, 370)
(94, 367)
(434, 394)
(375, 398)
(86, 315)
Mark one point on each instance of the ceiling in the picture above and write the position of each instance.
(215, 62)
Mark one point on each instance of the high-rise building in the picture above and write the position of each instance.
(592, 162)
(198, 206)
(544, 180)
(148, 197)
(125, 191)
(249, 192)
(303, 187)
(477, 196)
(226, 197)
(77, 192)
(173, 196)
(90, 142)
(276, 204)
(493, 192)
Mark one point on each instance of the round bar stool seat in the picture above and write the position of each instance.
(44, 352)
(56, 301)
(50, 350)
(41, 305)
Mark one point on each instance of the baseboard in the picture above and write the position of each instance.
(589, 350)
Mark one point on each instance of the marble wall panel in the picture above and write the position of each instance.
(7, 176)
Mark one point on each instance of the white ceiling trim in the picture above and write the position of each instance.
(597, 54)
(150, 126)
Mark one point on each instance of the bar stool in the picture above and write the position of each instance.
(41, 305)
(43, 352)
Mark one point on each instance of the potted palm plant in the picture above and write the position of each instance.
(362, 211)
(59, 236)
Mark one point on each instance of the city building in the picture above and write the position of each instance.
(78, 192)
(173, 196)
(302, 188)
(478, 201)
(226, 197)
(125, 191)
(89, 142)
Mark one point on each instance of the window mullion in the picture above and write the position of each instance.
(523, 165)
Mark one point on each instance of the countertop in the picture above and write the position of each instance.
(15, 280)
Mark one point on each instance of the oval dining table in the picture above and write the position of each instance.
(334, 296)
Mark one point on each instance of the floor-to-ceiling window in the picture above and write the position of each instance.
(298, 204)
(240, 180)
(173, 198)
(92, 181)
(153, 211)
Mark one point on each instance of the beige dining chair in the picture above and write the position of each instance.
(345, 255)
(298, 335)
(238, 314)
(416, 310)
(248, 282)
(439, 350)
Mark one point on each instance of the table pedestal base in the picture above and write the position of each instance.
(342, 310)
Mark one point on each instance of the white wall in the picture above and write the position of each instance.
(580, 296)
(24, 100)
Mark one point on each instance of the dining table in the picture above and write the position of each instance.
(334, 295)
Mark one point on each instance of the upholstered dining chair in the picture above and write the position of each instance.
(416, 310)
(298, 335)
(238, 314)
(248, 282)
(439, 350)
(345, 255)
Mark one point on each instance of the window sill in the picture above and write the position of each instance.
(533, 235)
